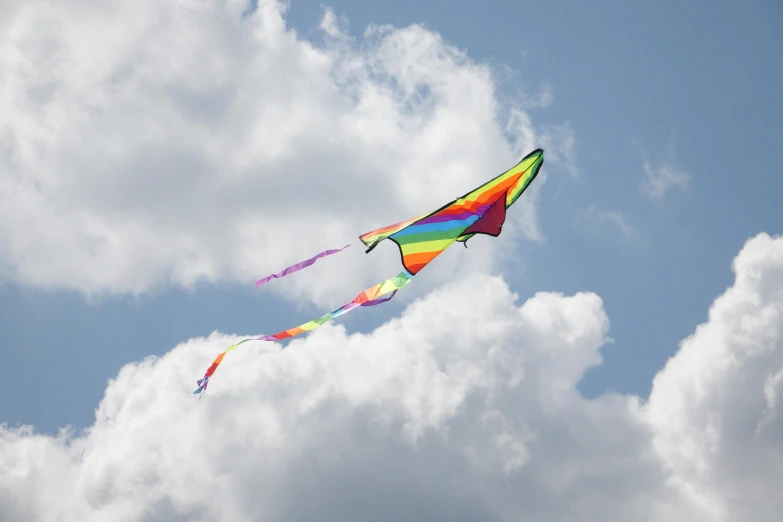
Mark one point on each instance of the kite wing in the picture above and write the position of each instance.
(481, 211)
(421, 239)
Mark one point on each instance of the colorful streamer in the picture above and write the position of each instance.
(370, 297)
(299, 266)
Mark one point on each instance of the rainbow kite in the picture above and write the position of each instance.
(420, 240)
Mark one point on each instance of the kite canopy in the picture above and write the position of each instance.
(481, 211)
(420, 240)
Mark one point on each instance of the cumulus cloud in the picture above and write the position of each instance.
(463, 408)
(147, 143)
(714, 423)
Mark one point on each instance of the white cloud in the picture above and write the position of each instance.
(464, 408)
(592, 216)
(713, 422)
(146, 143)
(661, 178)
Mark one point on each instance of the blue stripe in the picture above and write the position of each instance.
(436, 227)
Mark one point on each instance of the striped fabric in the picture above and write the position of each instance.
(422, 238)
(370, 297)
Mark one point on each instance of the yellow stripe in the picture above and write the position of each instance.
(513, 171)
(427, 246)
(310, 325)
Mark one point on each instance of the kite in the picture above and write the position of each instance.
(420, 240)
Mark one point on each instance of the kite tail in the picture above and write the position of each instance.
(299, 266)
(370, 297)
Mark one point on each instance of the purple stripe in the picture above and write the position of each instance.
(299, 266)
(440, 218)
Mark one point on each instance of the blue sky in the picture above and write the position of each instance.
(635, 81)
(617, 352)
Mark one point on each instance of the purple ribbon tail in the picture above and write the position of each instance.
(299, 266)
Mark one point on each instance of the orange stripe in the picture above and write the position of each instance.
(491, 193)
(482, 198)
(420, 258)
(413, 269)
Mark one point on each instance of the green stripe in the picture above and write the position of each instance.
(438, 235)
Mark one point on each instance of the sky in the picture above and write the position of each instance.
(617, 352)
